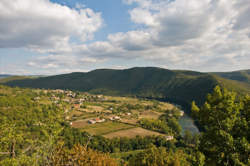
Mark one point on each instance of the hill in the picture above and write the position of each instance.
(241, 75)
(4, 76)
(175, 86)
(13, 78)
(178, 86)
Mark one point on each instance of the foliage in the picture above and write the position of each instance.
(80, 156)
(226, 123)
(27, 129)
(159, 157)
(156, 125)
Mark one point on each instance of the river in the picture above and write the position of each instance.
(187, 123)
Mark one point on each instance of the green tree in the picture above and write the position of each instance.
(80, 156)
(154, 156)
(226, 123)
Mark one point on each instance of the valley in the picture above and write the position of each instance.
(121, 120)
(109, 116)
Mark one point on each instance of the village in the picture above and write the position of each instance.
(109, 116)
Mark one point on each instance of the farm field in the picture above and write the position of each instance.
(106, 127)
(150, 114)
(128, 111)
(131, 133)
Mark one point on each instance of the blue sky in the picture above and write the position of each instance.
(61, 36)
(114, 13)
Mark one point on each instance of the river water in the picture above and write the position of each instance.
(187, 123)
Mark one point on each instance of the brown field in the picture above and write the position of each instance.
(129, 121)
(131, 133)
(93, 108)
(80, 123)
(150, 115)
(166, 106)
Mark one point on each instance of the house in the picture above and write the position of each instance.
(98, 120)
(92, 121)
(77, 106)
(115, 118)
(99, 96)
(37, 98)
(181, 113)
(169, 138)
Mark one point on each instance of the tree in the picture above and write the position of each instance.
(226, 124)
(154, 156)
(80, 156)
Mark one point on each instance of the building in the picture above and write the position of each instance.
(115, 118)
(97, 120)
(91, 121)
(169, 138)
(181, 113)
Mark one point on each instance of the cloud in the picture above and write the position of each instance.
(189, 34)
(41, 24)
(205, 35)
(60, 61)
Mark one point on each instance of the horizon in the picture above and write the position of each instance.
(64, 36)
(120, 70)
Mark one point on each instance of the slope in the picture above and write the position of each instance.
(176, 86)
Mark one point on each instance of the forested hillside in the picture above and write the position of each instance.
(242, 75)
(177, 86)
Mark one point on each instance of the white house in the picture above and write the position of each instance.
(169, 137)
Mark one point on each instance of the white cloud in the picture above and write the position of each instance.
(205, 35)
(199, 35)
(60, 61)
(41, 24)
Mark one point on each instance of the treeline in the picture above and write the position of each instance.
(166, 124)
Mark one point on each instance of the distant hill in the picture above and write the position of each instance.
(4, 76)
(14, 78)
(174, 85)
(242, 75)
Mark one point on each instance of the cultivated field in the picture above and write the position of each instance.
(120, 114)
(105, 128)
(131, 133)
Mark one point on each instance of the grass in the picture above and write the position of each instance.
(150, 115)
(105, 128)
(131, 133)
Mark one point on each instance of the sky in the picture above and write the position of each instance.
(47, 37)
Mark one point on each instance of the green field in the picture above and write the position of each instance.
(132, 132)
(105, 128)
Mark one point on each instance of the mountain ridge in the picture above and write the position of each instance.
(176, 85)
